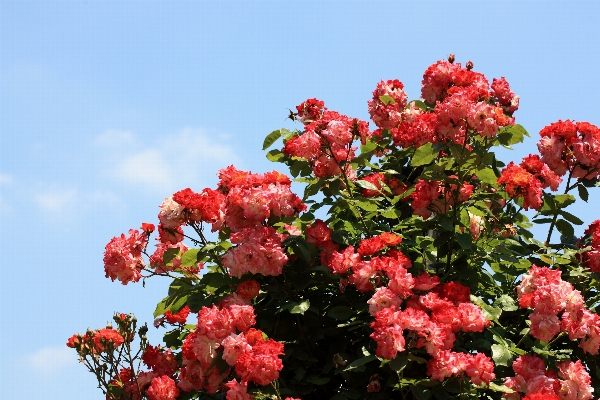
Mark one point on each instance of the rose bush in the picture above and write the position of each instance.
(407, 269)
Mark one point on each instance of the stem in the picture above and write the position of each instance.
(276, 391)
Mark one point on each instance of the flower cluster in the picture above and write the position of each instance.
(543, 290)
(227, 332)
(437, 197)
(97, 341)
(591, 258)
(573, 147)
(259, 251)
(527, 180)
(536, 382)
(327, 141)
(414, 307)
(463, 101)
(123, 257)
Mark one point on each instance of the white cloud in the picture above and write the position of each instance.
(57, 202)
(174, 162)
(51, 359)
(67, 204)
(147, 168)
(5, 179)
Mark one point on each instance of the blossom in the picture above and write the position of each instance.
(311, 110)
(340, 263)
(261, 364)
(160, 361)
(105, 336)
(383, 298)
(248, 289)
(179, 317)
(520, 183)
(238, 390)
(123, 257)
(389, 99)
(163, 388)
(259, 252)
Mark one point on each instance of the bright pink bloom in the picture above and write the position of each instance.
(238, 390)
(161, 361)
(123, 257)
(340, 263)
(383, 298)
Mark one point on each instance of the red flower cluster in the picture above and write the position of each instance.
(389, 100)
(591, 258)
(180, 317)
(433, 318)
(543, 290)
(327, 141)
(96, 341)
(572, 382)
(123, 257)
(433, 315)
(571, 146)
(528, 179)
(255, 358)
(463, 102)
(259, 251)
(310, 110)
(437, 197)
(248, 289)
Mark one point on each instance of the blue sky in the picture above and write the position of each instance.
(106, 108)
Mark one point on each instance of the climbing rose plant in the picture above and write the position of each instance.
(407, 270)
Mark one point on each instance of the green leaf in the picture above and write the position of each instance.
(399, 363)
(583, 192)
(420, 104)
(570, 217)
(512, 135)
(300, 308)
(424, 155)
(275, 155)
(271, 138)
(368, 147)
(490, 312)
(161, 307)
(506, 302)
(341, 237)
(190, 258)
(500, 388)
(215, 280)
(420, 392)
(340, 312)
(170, 254)
(487, 175)
(465, 218)
(361, 361)
(367, 185)
(564, 200)
(501, 354)
(366, 205)
(565, 228)
(391, 213)
(385, 99)
(198, 300)
(315, 380)
(465, 240)
(172, 338)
